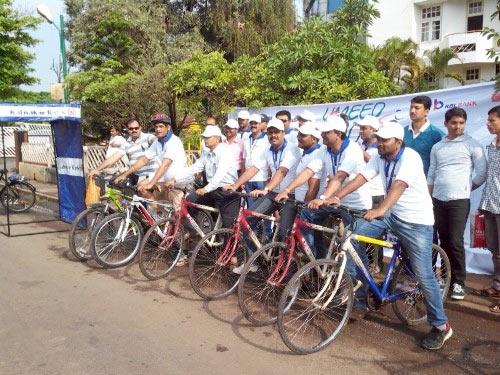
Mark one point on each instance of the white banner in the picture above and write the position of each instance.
(476, 100)
(39, 112)
(70, 166)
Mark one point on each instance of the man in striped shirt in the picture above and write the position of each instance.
(135, 147)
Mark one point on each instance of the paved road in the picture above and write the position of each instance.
(58, 316)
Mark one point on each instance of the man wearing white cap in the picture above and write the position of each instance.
(407, 211)
(254, 155)
(307, 183)
(342, 161)
(220, 169)
(234, 142)
(305, 116)
(243, 124)
(290, 132)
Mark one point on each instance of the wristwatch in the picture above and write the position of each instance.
(322, 197)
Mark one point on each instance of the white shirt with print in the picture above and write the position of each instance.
(254, 153)
(287, 158)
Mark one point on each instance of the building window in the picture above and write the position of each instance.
(474, 16)
(472, 74)
(431, 23)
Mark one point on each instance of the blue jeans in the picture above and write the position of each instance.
(416, 241)
(314, 238)
(251, 202)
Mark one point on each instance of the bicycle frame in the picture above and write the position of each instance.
(241, 224)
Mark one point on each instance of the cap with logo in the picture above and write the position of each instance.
(334, 122)
(255, 118)
(231, 123)
(306, 116)
(368, 120)
(275, 123)
(244, 114)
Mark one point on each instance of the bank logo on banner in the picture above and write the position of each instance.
(70, 166)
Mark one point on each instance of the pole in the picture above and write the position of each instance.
(62, 45)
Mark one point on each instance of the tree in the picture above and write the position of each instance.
(436, 69)
(396, 57)
(14, 60)
(494, 52)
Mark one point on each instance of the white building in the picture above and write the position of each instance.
(435, 23)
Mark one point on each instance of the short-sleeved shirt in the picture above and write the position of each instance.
(415, 204)
(288, 157)
(312, 159)
(291, 135)
(236, 147)
(350, 161)
(375, 184)
(490, 200)
(254, 153)
(172, 149)
(136, 149)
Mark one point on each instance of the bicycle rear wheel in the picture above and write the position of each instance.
(160, 249)
(307, 323)
(20, 196)
(211, 264)
(259, 288)
(80, 233)
(411, 309)
(115, 243)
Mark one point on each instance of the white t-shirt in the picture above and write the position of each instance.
(351, 162)
(115, 143)
(287, 157)
(415, 204)
(254, 153)
(314, 161)
(291, 135)
(172, 149)
(375, 184)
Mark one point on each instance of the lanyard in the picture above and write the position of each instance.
(165, 139)
(275, 155)
(387, 166)
(253, 140)
(366, 146)
(311, 149)
(336, 156)
(241, 133)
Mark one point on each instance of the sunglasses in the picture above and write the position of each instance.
(132, 129)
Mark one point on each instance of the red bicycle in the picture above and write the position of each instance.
(269, 269)
(213, 267)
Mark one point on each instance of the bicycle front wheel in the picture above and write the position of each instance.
(212, 263)
(262, 281)
(160, 249)
(19, 196)
(115, 240)
(80, 233)
(411, 308)
(309, 316)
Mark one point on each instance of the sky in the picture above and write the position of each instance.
(47, 49)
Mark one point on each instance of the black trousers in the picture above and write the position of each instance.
(228, 204)
(451, 217)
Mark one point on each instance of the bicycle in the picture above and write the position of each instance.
(116, 238)
(220, 252)
(268, 270)
(164, 242)
(317, 301)
(81, 228)
(17, 195)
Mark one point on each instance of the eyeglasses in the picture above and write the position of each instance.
(133, 129)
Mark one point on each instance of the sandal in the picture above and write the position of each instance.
(489, 292)
(495, 309)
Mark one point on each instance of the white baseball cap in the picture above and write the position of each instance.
(211, 131)
(275, 123)
(390, 129)
(231, 123)
(309, 128)
(306, 115)
(244, 114)
(255, 118)
(334, 122)
(368, 120)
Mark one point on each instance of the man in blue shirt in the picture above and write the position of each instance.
(421, 135)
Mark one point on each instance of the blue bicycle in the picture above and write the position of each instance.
(316, 303)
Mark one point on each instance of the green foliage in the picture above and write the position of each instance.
(14, 60)
(494, 35)
(21, 96)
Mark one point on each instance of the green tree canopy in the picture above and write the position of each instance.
(14, 59)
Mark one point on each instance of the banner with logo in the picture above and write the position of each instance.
(476, 100)
(66, 127)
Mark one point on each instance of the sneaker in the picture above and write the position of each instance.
(458, 292)
(436, 338)
(183, 260)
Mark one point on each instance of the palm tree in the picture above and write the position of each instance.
(436, 69)
(396, 57)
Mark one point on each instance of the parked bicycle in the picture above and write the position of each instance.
(317, 301)
(17, 194)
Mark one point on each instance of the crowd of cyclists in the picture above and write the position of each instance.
(395, 174)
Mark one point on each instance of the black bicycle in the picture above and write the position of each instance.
(17, 193)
